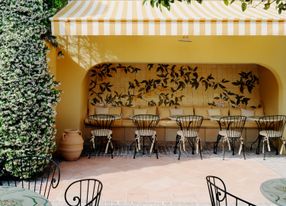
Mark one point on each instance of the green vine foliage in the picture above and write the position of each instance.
(28, 91)
(169, 80)
(52, 6)
(279, 5)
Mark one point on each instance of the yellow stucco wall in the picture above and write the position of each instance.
(81, 53)
(268, 93)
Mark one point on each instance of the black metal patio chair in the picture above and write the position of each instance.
(270, 127)
(102, 132)
(39, 174)
(84, 192)
(219, 196)
(145, 128)
(231, 128)
(189, 126)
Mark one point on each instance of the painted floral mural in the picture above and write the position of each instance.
(172, 84)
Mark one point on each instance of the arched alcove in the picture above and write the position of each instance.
(229, 86)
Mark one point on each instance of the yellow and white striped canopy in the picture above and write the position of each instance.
(131, 17)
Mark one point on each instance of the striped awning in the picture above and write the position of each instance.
(131, 17)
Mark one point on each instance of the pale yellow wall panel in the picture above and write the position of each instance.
(250, 136)
(161, 132)
(269, 91)
(72, 107)
(72, 69)
(170, 134)
(211, 135)
(118, 135)
(129, 134)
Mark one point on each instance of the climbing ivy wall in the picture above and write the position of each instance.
(174, 84)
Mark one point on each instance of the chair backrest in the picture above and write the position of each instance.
(219, 195)
(84, 192)
(272, 124)
(36, 173)
(102, 121)
(233, 125)
(189, 124)
(145, 121)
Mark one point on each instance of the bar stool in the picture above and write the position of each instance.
(231, 128)
(189, 131)
(102, 124)
(145, 128)
(270, 128)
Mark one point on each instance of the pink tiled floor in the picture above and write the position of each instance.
(147, 179)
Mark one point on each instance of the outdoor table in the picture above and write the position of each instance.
(17, 196)
(275, 190)
(116, 116)
(249, 118)
(253, 118)
(174, 117)
(215, 118)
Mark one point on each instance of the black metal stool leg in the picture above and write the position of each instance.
(134, 153)
(90, 150)
(258, 145)
(143, 145)
(200, 149)
(223, 144)
(256, 140)
(275, 145)
(243, 150)
(216, 143)
(156, 146)
(176, 144)
(232, 145)
(111, 149)
(180, 151)
(192, 143)
(99, 145)
(135, 148)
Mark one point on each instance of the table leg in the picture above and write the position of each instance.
(256, 140)
(259, 138)
(143, 145)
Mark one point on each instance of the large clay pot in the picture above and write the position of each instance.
(71, 144)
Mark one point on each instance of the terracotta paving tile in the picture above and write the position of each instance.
(167, 181)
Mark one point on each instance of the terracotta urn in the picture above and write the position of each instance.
(71, 144)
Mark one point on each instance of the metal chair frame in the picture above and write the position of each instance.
(189, 129)
(89, 192)
(232, 128)
(102, 131)
(219, 195)
(40, 177)
(145, 129)
(270, 128)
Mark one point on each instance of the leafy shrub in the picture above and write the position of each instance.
(28, 92)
